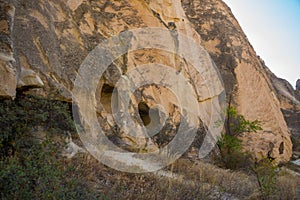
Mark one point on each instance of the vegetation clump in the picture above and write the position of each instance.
(232, 154)
(31, 168)
(27, 112)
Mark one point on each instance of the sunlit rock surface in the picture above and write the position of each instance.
(52, 38)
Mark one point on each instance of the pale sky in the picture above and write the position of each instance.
(273, 29)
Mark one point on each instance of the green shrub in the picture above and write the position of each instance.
(237, 124)
(266, 175)
(36, 173)
(232, 154)
(31, 168)
(26, 112)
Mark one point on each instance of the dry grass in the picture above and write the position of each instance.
(195, 180)
(226, 181)
(113, 184)
(288, 186)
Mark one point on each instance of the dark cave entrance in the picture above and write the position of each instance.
(281, 148)
(106, 94)
(144, 113)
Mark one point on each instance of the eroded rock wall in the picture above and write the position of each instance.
(45, 43)
(246, 81)
(298, 89)
(8, 71)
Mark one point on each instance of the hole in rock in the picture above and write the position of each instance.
(281, 148)
(144, 113)
(106, 94)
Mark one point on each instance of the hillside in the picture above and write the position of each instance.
(127, 70)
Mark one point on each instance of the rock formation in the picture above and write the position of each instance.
(43, 44)
(298, 89)
(245, 77)
(8, 78)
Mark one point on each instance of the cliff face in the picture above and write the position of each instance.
(289, 103)
(43, 44)
(245, 76)
(8, 78)
(298, 90)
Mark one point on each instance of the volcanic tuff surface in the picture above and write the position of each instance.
(44, 43)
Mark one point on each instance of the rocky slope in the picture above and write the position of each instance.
(289, 101)
(298, 89)
(43, 44)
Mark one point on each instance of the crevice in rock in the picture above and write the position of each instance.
(157, 15)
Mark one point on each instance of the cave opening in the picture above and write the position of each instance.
(281, 148)
(106, 95)
(144, 110)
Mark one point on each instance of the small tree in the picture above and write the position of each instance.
(232, 154)
(265, 171)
